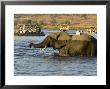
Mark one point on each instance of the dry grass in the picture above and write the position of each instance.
(51, 21)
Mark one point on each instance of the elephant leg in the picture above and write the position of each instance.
(63, 52)
(90, 53)
(92, 49)
(83, 53)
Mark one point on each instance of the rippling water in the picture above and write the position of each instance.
(34, 62)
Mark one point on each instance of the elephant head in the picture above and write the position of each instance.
(47, 42)
(55, 40)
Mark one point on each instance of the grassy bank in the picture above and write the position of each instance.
(52, 21)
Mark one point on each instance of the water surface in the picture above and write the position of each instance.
(35, 62)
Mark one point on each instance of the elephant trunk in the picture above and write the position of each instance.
(40, 45)
(48, 42)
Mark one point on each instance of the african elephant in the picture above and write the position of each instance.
(67, 45)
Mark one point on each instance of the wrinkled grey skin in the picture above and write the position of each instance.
(79, 48)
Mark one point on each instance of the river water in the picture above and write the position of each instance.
(35, 62)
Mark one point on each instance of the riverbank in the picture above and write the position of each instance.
(54, 21)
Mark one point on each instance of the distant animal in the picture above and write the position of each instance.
(78, 33)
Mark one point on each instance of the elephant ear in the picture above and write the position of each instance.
(83, 37)
(64, 36)
(54, 35)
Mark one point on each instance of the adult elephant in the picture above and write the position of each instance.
(81, 45)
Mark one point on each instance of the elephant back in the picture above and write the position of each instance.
(54, 35)
(64, 36)
(83, 37)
